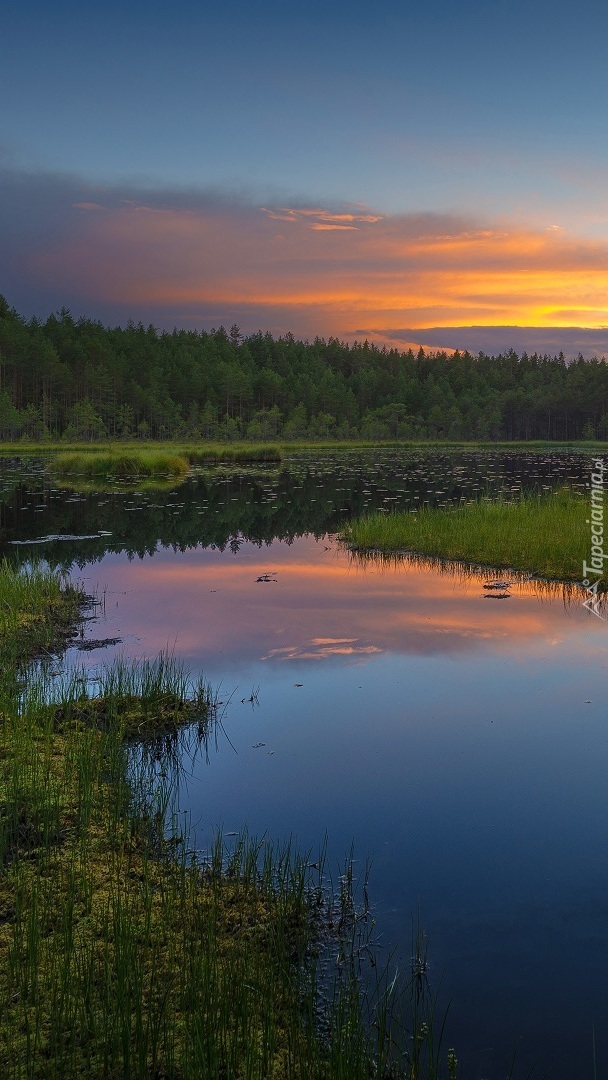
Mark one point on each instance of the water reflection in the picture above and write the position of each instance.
(321, 605)
(221, 507)
(457, 741)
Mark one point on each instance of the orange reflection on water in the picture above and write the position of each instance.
(322, 605)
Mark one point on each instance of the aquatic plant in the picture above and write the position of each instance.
(544, 535)
(172, 461)
(38, 610)
(120, 463)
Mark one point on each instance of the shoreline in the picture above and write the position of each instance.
(119, 953)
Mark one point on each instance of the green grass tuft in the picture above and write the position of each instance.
(38, 611)
(171, 461)
(544, 535)
(126, 463)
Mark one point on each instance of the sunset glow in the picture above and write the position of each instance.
(303, 517)
(313, 269)
(381, 199)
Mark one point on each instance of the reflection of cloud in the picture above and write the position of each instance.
(325, 649)
(200, 258)
(329, 608)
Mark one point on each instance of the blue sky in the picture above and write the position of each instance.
(490, 112)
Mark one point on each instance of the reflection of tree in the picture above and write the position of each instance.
(221, 508)
(216, 511)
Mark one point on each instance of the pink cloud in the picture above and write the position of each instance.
(311, 269)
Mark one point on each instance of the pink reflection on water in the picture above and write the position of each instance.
(322, 606)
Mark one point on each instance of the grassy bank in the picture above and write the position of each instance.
(38, 612)
(471, 445)
(234, 453)
(203, 450)
(120, 954)
(544, 535)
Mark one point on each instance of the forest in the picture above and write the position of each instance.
(75, 379)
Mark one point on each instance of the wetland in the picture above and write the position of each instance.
(389, 707)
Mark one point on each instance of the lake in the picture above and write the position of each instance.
(454, 741)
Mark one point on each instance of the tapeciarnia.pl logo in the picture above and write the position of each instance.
(595, 568)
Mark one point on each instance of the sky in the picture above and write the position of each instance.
(414, 173)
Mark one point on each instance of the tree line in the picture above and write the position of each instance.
(77, 379)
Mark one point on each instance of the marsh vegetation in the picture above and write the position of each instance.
(390, 737)
(544, 535)
(38, 612)
(120, 462)
(121, 951)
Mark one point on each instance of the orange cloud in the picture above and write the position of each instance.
(318, 270)
(320, 227)
(325, 219)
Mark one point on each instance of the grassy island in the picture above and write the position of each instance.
(545, 536)
(117, 463)
(168, 461)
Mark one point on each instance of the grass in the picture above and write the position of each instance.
(439, 444)
(121, 954)
(120, 463)
(204, 453)
(94, 463)
(252, 451)
(38, 612)
(546, 536)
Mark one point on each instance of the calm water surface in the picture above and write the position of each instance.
(456, 741)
